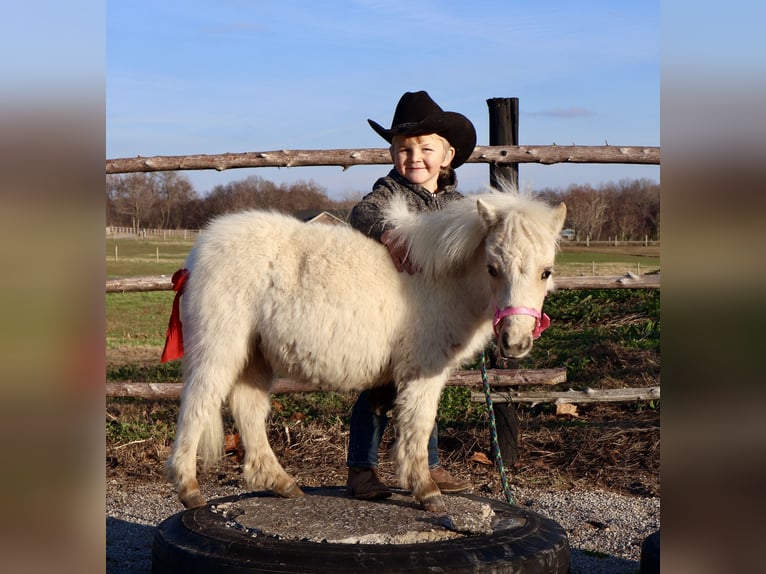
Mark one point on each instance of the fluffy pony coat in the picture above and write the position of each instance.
(268, 295)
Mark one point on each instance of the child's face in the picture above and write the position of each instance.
(419, 158)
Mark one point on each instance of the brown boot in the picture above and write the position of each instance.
(447, 483)
(364, 484)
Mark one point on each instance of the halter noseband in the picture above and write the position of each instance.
(542, 321)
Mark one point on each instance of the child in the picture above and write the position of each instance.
(427, 144)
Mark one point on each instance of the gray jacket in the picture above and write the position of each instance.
(367, 215)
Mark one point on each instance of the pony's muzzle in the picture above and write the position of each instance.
(516, 348)
(514, 343)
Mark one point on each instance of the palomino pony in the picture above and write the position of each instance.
(267, 294)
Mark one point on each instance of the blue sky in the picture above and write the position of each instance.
(234, 75)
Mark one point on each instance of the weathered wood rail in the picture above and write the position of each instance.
(345, 158)
(572, 396)
(628, 281)
(498, 378)
(501, 381)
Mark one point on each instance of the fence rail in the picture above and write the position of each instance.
(345, 158)
(627, 281)
(499, 378)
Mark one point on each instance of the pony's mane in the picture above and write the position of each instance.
(442, 241)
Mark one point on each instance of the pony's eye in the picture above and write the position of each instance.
(492, 270)
(546, 273)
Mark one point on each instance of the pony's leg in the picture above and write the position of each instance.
(199, 428)
(250, 404)
(211, 367)
(416, 407)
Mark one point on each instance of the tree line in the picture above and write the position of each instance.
(626, 210)
(168, 200)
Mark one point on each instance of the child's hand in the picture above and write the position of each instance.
(398, 251)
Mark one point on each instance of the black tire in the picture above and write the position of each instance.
(650, 554)
(199, 541)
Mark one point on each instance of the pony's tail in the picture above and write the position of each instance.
(211, 442)
(199, 432)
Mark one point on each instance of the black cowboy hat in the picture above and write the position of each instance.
(417, 114)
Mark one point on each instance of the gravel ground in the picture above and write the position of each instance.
(605, 530)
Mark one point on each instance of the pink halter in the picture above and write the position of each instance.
(542, 321)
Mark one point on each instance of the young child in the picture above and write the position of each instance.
(427, 144)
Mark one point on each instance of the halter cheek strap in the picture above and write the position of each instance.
(542, 321)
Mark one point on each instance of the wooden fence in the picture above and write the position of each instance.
(498, 155)
(628, 281)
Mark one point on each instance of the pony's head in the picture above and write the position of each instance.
(513, 238)
(520, 247)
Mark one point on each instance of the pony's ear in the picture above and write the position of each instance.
(559, 215)
(487, 214)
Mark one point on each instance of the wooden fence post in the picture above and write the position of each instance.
(504, 130)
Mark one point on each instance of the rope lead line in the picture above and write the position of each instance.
(493, 432)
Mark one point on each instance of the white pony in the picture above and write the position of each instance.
(270, 295)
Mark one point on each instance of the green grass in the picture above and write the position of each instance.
(571, 258)
(157, 422)
(590, 327)
(159, 373)
(137, 318)
(145, 256)
(137, 257)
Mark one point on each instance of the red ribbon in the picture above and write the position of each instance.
(174, 339)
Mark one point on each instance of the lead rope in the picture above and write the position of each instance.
(493, 431)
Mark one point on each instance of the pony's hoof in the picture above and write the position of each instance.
(291, 491)
(434, 504)
(193, 499)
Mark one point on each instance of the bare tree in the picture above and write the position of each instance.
(629, 209)
(250, 193)
(633, 209)
(257, 193)
(173, 192)
(648, 207)
(586, 210)
(132, 197)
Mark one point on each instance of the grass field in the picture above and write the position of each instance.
(162, 257)
(144, 256)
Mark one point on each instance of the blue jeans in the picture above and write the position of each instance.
(366, 433)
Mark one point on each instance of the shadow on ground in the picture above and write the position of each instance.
(128, 547)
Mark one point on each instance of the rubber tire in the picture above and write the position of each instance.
(197, 541)
(650, 554)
